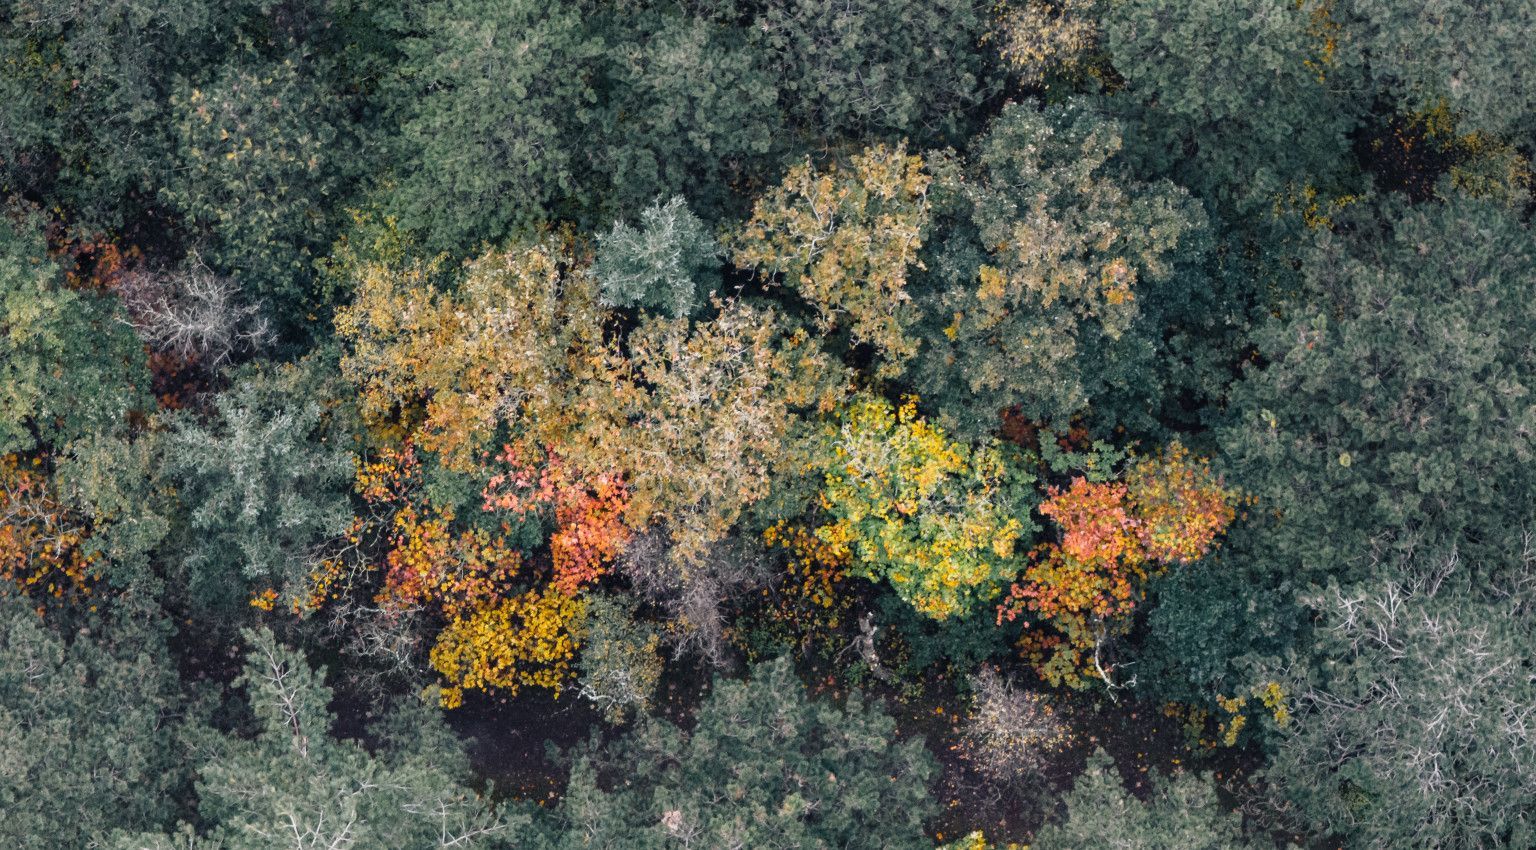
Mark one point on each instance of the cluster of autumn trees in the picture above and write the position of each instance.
(1171, 358)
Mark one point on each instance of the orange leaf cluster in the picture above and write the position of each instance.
(1170, 508)
(588, 513)
(41, 540)
(428, 563)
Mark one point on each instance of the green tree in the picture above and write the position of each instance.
(82, 97)
(1387, 411)
(1244, 105)
(670, 264)
(1394, 408)
(1183, 813)
(262, 483)
(620, 661)
(866, 70)
(763, 766)
(489, 98)
(264, 159)
(88, 727)
(69, 365)
(1056, 277)
(1416, 728)
(294, 784)
(689, 108)
(1474, 57)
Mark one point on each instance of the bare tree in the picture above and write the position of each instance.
(1009, 730)
(694, 590)
(192, 313)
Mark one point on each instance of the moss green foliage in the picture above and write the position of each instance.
(88, 740)
(69, 367)
(1183, 813)
(762, 766)
(1415, 730)
(263, 159)
(294, 781)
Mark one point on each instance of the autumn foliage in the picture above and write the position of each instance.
(588, 513)
(528, 640)
(42, 542)
(1114, 535)
(938, 519)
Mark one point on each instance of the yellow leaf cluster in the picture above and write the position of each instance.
(845, 239)
(921, 511)
(529, 640)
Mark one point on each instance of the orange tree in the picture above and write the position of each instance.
(1113, 535)
(682, 424)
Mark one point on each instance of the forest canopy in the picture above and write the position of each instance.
(767, 423)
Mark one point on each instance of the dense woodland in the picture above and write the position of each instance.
(767, 424)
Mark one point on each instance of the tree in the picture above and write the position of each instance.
(44, 545)
(1469, 56)
(1244, 106)
(844, 239)
(1055, 278)
(937, 519)
(720, 418)
(529, 640)
(193, 314)
(520, 341)
(874, 70)
(261, 486)
(670, 265)
(1416, 728)
(489, 97)
(689, 108)
(88, 727)
(1388, 411)
(69, 367)
(294, 783)
(763, 766)
(264, 157)
(1009, 730)
(620, 664)
(84, 78)
(1168, 509)
(1184, 812)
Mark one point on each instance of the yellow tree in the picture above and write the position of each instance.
(845, 239)
(939, 520)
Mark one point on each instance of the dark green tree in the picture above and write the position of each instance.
(763, 766)
(1244, 105)
(690, 108)
(265, 157)
(1473, 57)
(88, 727)
(489, 99)
(1388, 411)
(1183, 813)
(294, 784)
(862, 69)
